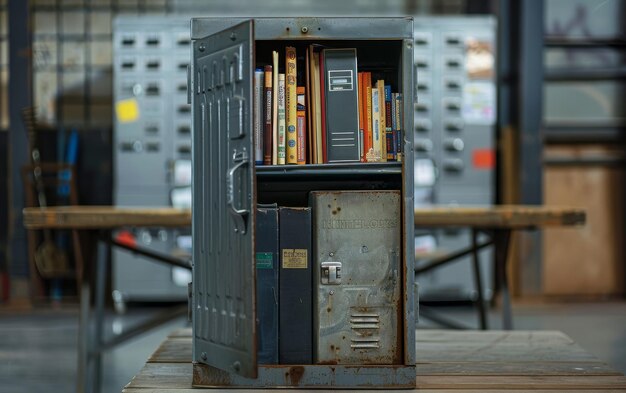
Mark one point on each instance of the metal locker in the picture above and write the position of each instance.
(227, 186)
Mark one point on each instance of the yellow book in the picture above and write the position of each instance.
(380, 85)
(275, 108)
(291, 103)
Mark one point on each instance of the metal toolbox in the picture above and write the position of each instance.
(227, 186)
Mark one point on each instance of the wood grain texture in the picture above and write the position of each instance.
(106, 217)
(103, 217)
(502, 216)
(448, 361)
(588, 260)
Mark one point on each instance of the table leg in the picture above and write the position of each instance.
(98, 339)
(480, 301)
(502, 239)
(83, 338)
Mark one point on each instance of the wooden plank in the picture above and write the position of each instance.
(163, 376)
(519, 368)
(103, 217)
(521, 382)
(463, 336)
(173, 350)
(503, 216)
(593, 256)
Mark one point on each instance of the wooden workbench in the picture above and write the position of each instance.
(459, 361)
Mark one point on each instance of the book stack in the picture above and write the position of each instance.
(313, 106)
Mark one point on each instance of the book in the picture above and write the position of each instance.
(301, 127)
(399, 123)
(394, 124)
(368, 131)
(258, 116)
(267, 266)
(291, 104)
(317, 103)
(309, 127)
(380, 85)
(388, 125)
(281, 119)
(361, 118)
(267, 132)
(295, 292)
(275, 108)
(322, 150)
(376, 132)
(341, 105)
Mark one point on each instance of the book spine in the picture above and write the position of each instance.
(295, 287)
(399, 123)
(275, 108)
(391, 147)
(281, 119)
(302, 128)
(377, 137)
(369, 137)
(361, 118)
(318, 109)
(267, 266)
(291, 105)
(394, 125)
(380, 85)
(324, 155)
(267, 134)
(258, 116)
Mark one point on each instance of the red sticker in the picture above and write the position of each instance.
(127, 238)
(484, 158)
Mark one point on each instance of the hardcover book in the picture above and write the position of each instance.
(291, 105)
(295, 294)
(281, 119)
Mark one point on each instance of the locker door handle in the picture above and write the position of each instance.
(238, 214)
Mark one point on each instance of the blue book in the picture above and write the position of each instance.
(267, 264)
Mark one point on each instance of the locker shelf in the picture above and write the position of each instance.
(337, 169)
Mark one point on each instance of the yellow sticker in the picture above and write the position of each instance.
(295, 258)
(127, 110)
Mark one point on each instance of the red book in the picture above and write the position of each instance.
(323, 105)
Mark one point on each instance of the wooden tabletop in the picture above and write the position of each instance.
(459, 361)
(499, 216)
(107, 217)
(104, 217)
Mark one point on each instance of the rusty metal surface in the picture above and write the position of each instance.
(357, 316)
(310, 28)
(310, 376)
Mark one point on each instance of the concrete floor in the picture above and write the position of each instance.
(38, 348)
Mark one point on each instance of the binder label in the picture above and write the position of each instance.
(340, 80)
(294, 258)
(264, 260)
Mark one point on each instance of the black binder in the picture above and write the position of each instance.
(267, 264)
(342, 105)
(296, 315)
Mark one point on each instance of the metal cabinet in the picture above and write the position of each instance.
(455, 61)
(227, 186)
(152, 143)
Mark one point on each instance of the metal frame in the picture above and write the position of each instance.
(362, 29)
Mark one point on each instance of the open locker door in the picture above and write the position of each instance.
(224, 329)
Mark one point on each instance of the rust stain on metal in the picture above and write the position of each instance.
(294, 375)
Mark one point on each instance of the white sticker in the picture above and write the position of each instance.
(479, 103)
